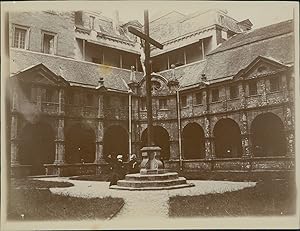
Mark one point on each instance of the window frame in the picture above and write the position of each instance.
(185, 104)
(196, 102)
(234, 92)
(54, 42)
(273, 78)
(253, 83)
(26, 39)
(213, 99)
(163, 104)
(143, 104)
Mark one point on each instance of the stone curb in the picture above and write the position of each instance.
(115, 213)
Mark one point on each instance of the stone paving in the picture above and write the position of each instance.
(140, 204)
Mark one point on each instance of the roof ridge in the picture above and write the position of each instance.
(249, 32)
(167, 14)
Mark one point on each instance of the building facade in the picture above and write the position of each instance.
(223, 94)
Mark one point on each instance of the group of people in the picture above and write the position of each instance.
(118, 168)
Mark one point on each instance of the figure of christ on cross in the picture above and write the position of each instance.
(147, 41)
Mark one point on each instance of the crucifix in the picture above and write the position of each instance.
(149, 163)
(147, 41)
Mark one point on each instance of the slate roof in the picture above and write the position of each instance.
(275, 42)
(78, 73)
(187, 75)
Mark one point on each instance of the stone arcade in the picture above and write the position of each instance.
(223, 93)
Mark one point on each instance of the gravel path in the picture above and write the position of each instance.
(143, 203)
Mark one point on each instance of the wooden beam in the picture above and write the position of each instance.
(145, 37)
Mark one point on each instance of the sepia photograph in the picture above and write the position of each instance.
(149, 115)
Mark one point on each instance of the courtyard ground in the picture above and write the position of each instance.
(31, 200)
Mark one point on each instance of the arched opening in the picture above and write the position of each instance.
(227, 139)
(116, 141)
(37, 147)
(161, 139)
(268, 135)
(193, 141)
(80, 144)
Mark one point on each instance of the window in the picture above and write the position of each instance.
(274, 84)
(215, 95)
(198, 98)
(253, 87)
(49, 95)
(20, 37)
(183, 101)
(163, 103)
(48, 43)
(143, 104)
(92, 22)
(89, 100)
(70, 98)
(234, 91)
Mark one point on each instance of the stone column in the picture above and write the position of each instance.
(289, 132)
(60, 137)
(174, 150)
(99, 143)
(208, 141)
(14, 140)
(263, 93)
(60, 142)
(99, 158)
(245, 136)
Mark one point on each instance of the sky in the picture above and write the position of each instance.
(261, 13)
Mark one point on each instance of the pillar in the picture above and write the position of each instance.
(14, 140)
(174, 150)
(208, 141)
(290, 132)
(60, 142)
(60, 137)
(99, 158)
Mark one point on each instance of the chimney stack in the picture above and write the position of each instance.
(116, 21)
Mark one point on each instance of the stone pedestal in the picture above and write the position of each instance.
(152, 176)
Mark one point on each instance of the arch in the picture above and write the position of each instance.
(80, 141)
(268, 135)
(227, 139)
(37, 146)
(161, 139)
(193, 141)
(115, 141)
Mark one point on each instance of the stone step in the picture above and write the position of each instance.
(152, 188)
(152, 177)
(155, 183)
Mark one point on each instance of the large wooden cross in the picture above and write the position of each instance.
(145, 36)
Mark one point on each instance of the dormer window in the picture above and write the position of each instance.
(198, 98)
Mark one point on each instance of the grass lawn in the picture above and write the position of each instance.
(277, 197)
(33, 199)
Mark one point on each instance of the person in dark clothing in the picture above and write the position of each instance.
(117, 172)
(133, 165)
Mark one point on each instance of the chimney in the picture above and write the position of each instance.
(100, 82)
(116, 22)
